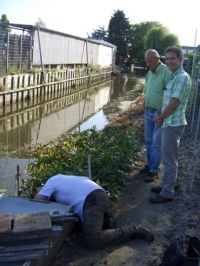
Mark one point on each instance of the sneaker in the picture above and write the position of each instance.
(151, 177)
(145, 170)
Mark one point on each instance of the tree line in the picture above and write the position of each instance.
(133, 40)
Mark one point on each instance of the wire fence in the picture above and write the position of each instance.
(194, 119)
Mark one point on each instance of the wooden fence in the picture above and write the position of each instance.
(26, 86)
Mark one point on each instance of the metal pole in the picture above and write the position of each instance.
(41, 61)
(7, 52)
(17, 176)
(89, 166)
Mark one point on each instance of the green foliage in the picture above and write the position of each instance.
(145, 36)
(133, 40)
(118, 32)
(40, 23)
(137, 39)
(5, 22)
(99, 34)
(112, 152)
(165, 39)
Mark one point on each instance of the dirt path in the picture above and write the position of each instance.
(168, 221)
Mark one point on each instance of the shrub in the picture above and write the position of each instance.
(112, 151)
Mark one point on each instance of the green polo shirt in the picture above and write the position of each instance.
(155, 83)
(179, 87)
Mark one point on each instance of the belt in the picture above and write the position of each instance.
(151, 109)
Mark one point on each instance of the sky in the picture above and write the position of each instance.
(82, 17)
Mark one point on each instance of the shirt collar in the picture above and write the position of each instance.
(176, 72)
(156, 69)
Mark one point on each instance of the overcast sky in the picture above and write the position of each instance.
(79, 17)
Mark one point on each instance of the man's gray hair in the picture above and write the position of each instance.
(153, 53)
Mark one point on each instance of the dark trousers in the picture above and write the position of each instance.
(96, 211)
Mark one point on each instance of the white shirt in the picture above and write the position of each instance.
(71, 190)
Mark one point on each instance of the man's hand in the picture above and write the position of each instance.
(158, 119)
(41, 197)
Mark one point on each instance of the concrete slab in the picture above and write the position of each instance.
(14, 205)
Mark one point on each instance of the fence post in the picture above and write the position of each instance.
(20, 53)
(7, 52)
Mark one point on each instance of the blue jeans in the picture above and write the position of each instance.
(170, 137)
(152, 135)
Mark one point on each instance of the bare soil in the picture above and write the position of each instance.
(168, 221)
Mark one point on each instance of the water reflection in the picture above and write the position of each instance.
(44, 120)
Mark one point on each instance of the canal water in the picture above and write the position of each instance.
(41, 121)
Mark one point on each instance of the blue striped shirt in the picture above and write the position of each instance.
(179, 87)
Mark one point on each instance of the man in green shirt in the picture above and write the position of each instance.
(156, 80)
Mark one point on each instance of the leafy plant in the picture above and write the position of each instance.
(112, 152)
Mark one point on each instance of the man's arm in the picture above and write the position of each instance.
(41, 197)
(171, 107)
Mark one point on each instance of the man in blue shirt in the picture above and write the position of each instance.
(172, 121)
(91, 203)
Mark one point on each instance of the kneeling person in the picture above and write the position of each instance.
(91, 203)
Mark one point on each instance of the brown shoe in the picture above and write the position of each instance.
(159, 199)
(158, 189)
(141, 232)
(151, 177)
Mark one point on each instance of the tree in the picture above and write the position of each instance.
(5, 22)
(40, 23)
(149, 35)
(165, 39)
(99, 34)
(138, 33)
(118, 34)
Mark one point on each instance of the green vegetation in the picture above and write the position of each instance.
(132, 40)
(112, 151)
(118, 33)
(40, 23)
(5, 22)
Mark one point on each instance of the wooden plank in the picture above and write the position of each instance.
(32, 255)
(28, 247)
